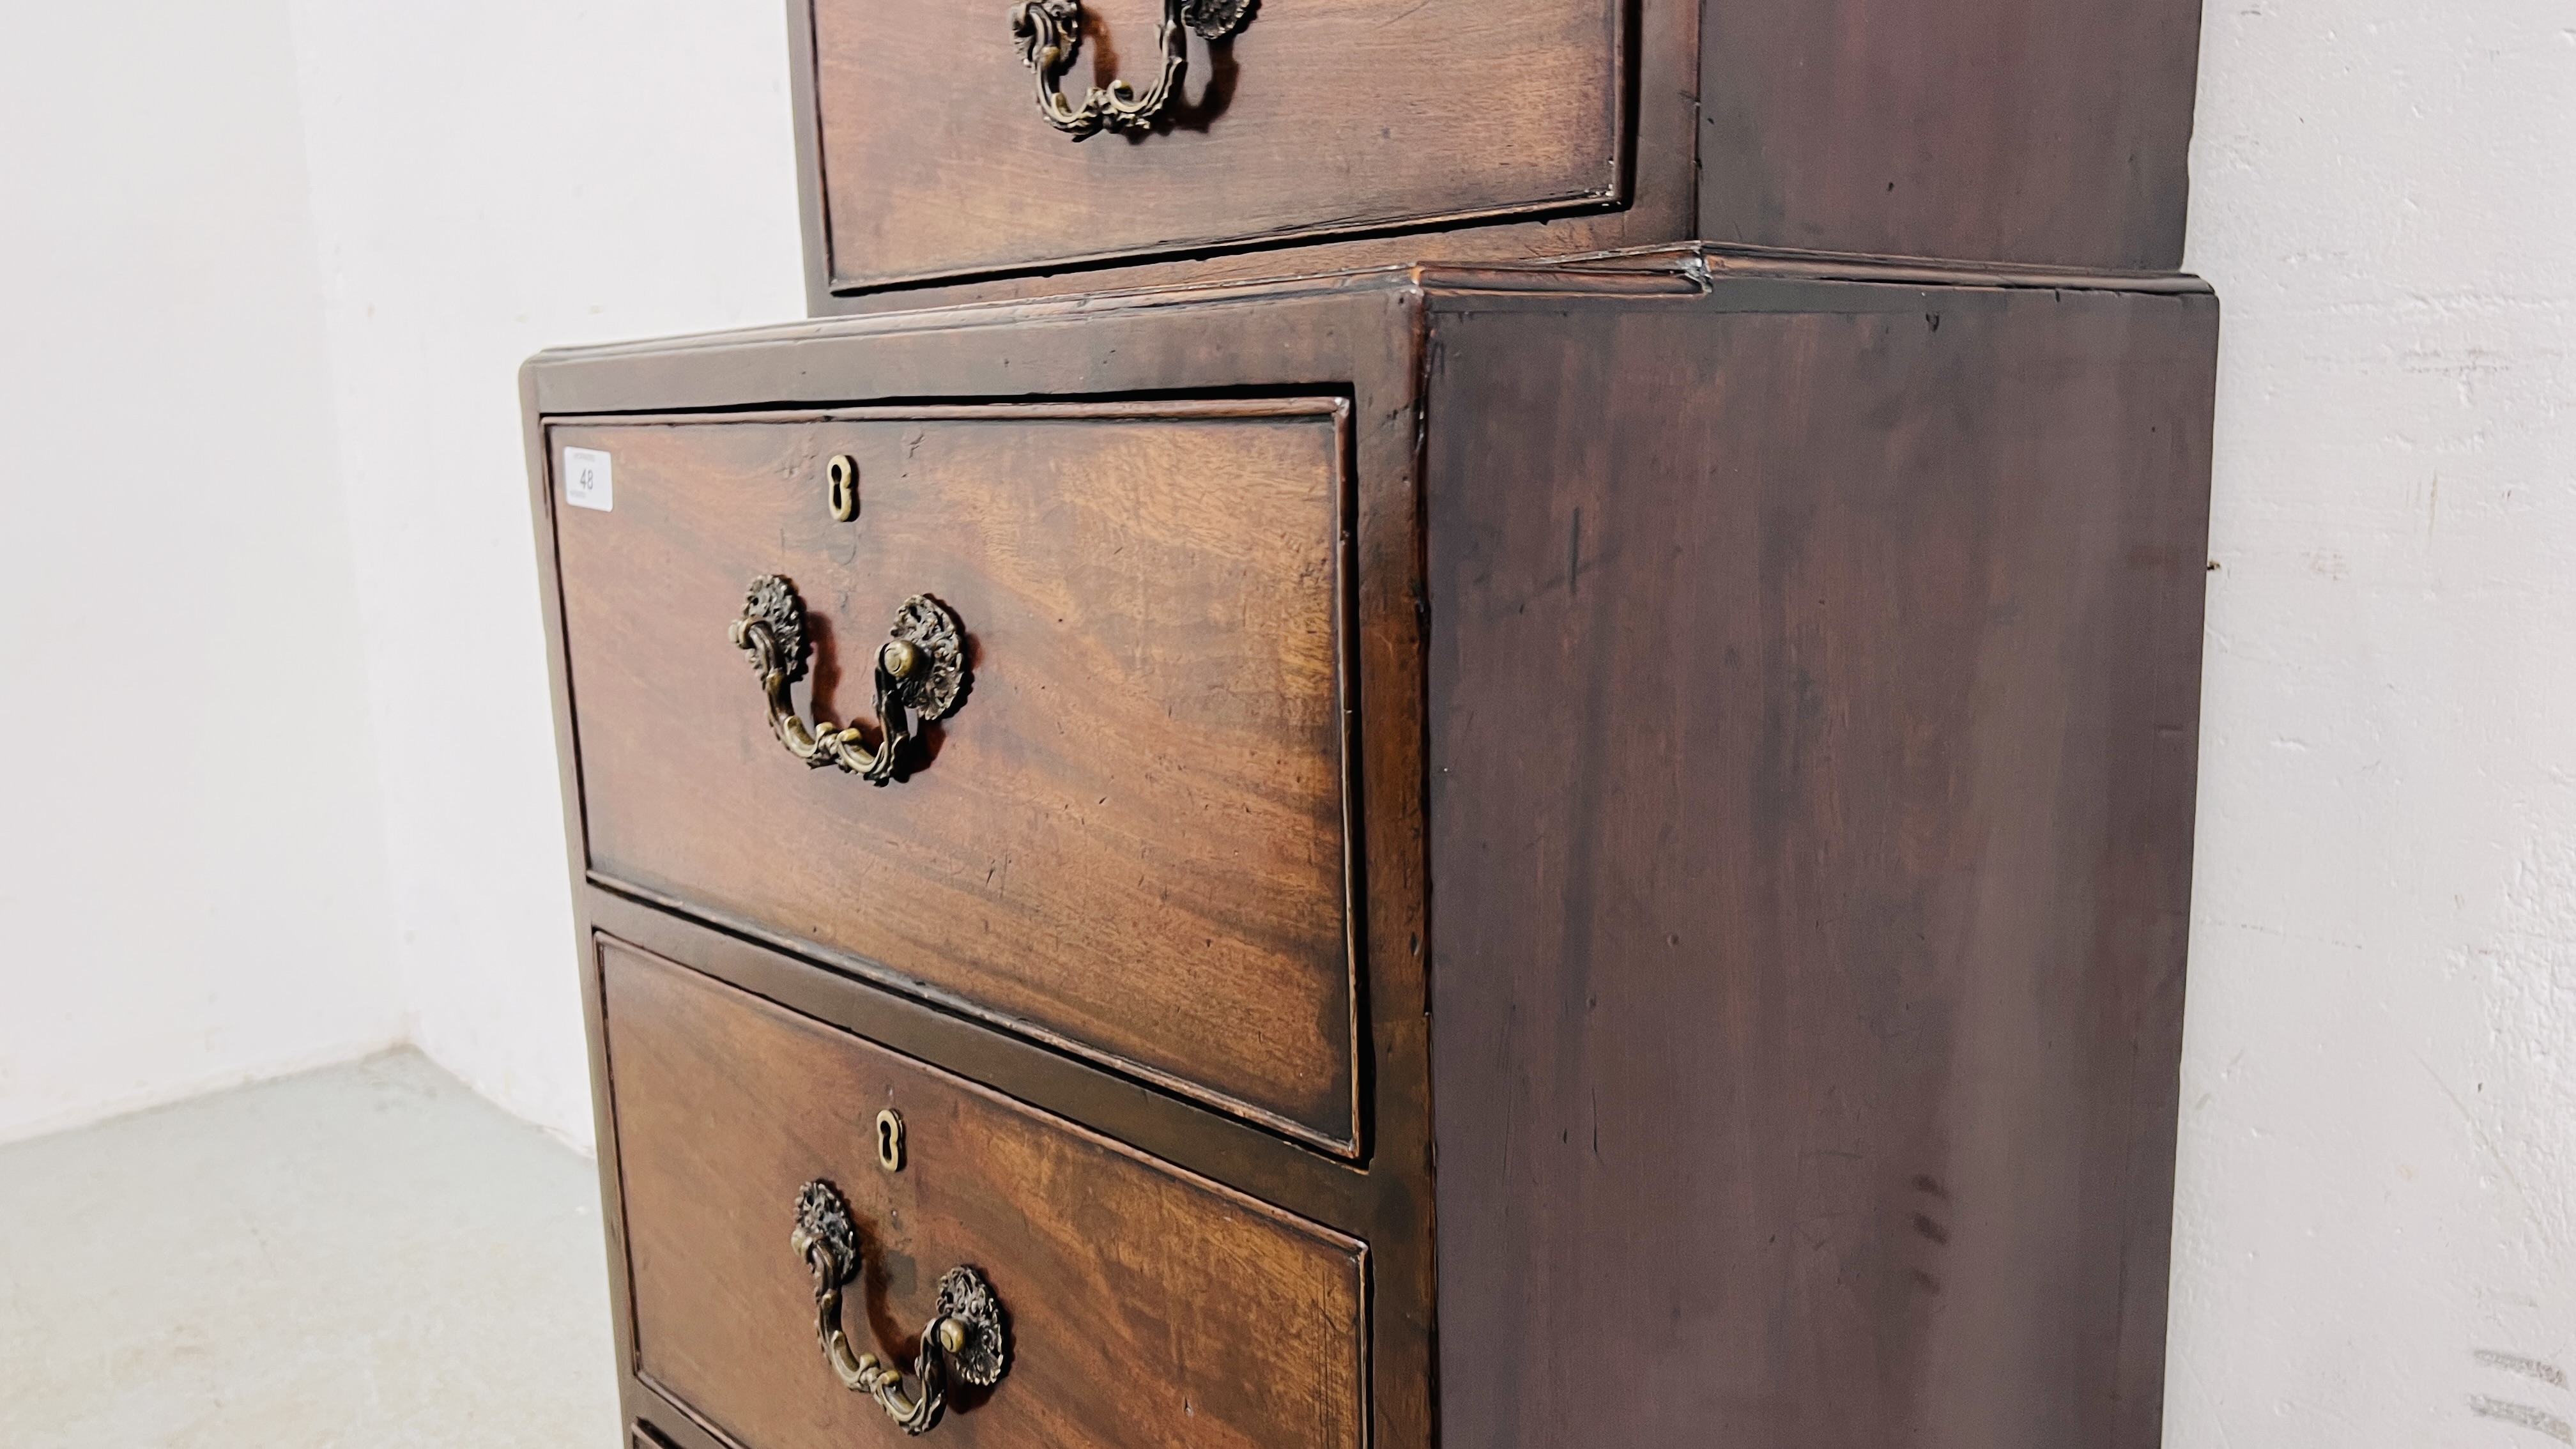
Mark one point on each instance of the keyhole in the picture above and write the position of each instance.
(842, 475)
(890, 1140)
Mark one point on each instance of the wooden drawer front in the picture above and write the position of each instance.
(1145, 1306)
(1319, 118)
(1127, 841)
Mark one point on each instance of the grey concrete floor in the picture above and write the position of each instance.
(366, 1255)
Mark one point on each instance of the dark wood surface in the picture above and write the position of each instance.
(1128, 839)
(1814, 699)
(1146, 1306)
(1364, 336)
(2039, 135)
(1334, 1191)
(1322, 117)
(1290, 176)
(1765, 463)
(2042, 132)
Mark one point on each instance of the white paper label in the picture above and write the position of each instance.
(585, 479)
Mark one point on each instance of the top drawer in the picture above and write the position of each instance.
(1315, 119)
(1127, 840)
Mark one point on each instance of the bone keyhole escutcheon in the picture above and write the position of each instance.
(890, 1140)
(841, 487)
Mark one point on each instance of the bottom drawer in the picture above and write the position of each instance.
(1142, 1305)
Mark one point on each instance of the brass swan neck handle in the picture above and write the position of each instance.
(965, 1342)
(920, 677)
(1049, 33)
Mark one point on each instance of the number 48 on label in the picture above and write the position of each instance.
(586, 480)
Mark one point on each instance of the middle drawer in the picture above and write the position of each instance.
(1128, 840)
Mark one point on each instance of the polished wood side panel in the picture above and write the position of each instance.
(2034, 131)
(1146, 1306)
(1321, 118)
(1814, 687)
(1128, 841)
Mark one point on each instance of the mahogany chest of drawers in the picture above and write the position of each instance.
(1456, 723)
(1475, 855)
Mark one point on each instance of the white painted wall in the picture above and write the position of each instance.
(2378, 1177)
(192, 880)
(274, 266)
(491, 177)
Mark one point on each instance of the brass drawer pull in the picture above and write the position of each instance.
(920, 677)
(964, 1343)
(1049, 33)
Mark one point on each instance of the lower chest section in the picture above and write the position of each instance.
(1348, 867)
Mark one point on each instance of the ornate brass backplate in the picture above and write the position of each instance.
(1049, 33)
(920, 677)
(965, 1342)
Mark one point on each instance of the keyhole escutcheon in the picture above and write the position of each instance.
(841, 480)
(890, 1140)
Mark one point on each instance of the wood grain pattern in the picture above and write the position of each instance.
(1267, 341)
(2030, 131)
(1813, 812)
(1814, 697)
(1146, 1307)
(1319, 118)
(1129, 840)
